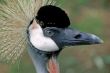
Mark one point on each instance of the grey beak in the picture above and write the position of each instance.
(93, 39)
(82, 39)
(74, 37)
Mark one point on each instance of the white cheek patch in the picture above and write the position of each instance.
(38, 39)
(43, 43)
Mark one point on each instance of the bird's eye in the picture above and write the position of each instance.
(49, 33)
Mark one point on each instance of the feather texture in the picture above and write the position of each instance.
(15, 16)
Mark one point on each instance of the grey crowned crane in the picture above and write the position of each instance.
(46, 41)
(46, 35)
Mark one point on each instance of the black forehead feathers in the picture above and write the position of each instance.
(52, 16)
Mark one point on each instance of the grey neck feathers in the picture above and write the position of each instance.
(39, 60)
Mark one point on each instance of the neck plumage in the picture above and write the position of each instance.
(38, 60)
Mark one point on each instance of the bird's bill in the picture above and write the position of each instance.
(53, 66)
(74, 37)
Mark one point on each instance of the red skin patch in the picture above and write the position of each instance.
(53, 66)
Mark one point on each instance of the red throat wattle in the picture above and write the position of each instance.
(53, 66)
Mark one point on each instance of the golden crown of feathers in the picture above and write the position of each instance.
(15, 16)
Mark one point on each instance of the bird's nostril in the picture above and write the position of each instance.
(78, 36)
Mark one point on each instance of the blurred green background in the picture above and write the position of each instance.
(91, 16)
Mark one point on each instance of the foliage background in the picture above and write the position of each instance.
(91, 16)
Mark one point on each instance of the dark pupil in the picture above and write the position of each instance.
(49, 33)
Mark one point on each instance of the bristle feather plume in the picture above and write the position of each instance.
(15, 16)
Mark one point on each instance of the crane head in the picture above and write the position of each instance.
(48, 42)
(49, 33)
